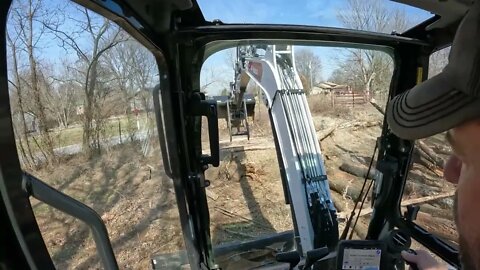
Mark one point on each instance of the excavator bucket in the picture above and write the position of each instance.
(235, 115)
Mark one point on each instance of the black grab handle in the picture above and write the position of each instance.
(208, 108)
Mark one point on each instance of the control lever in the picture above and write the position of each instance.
(411, 213)
(315, 255)
(398, 241)
(291, 257)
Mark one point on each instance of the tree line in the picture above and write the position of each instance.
(371, 70)
(68, 65)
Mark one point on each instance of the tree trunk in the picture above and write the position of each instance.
(19, 88)
(88, 127)
(25, 159)
(42, 118)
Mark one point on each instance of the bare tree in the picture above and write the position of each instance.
(370, 69)
(309, 66)
(119, 60)
(27, 22)
(63, 96)
(28, 157)
(98, 35)
(133, 69)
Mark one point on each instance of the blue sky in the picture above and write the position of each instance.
(303, 12)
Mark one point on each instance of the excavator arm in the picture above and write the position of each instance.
(304, 177)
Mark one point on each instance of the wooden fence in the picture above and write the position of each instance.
(348, 99)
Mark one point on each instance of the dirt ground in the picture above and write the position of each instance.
(136, 201)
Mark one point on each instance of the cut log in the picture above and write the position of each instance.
(438, 226)
(421, 158)
(438, 161)
(357, 170)
(351, 190)
(422, 189)
(444, 150)
(339, 202)
(437, 211)
(361, 229)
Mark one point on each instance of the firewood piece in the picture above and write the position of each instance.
(438, 226)
(351, 190)
(357, 170)
(444, 150)
(421, 158)
(361, 229)
(438, 161)
(437, 211)
(339, 202)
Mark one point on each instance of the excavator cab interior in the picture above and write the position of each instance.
(186, 120)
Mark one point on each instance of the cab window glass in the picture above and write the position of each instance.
(80, 92)
(346, 101)
(425, 186)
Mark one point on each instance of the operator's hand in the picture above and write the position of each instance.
(423, 260)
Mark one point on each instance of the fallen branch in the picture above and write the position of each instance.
(212, 195)
(231, 214)
(236, 149)
(235, 232)
(322, 136)
(428, 198)
(359, 125)
(421, 200)
(378, 107)
(366, 125)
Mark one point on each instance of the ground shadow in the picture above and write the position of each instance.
(246, 229)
